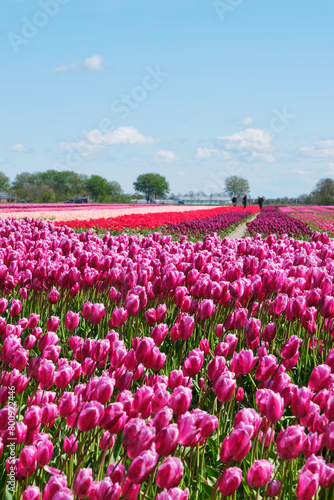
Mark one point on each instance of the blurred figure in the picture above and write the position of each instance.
(234, 201)
(260, 201)
(244, 201)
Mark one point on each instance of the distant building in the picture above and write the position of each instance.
(4, 197)
(81, 199)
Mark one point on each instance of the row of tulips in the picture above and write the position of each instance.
(159, 369)
(200, 227)
(37, 207)
(317, 220)
(151, 221)
(271, 220)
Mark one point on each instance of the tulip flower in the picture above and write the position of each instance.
(224, 386)
(243, 362)
(27, 463)
(307, 485)
(180, 400)
(169, 473)
(31, 493)
(70, 444)
(83, 482)
(72, 321)
(142, 466)
(319, 377)
(259, 473)
(290, 442)
(230, 481)
(166, 440)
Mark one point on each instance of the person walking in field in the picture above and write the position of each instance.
(260, 202)
(234, 201)
(244, 201)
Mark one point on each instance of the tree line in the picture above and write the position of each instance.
(53, 186)
(323, 193)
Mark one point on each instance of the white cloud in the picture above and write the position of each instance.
(321, 149)
(208, 153)
(165, 156)
(96, 140)
(19, 148)
(248, 120)
(249, 139)
(94, 63)
(297, 171)
(331, 166)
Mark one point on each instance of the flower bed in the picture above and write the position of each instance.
(152, 221)
(272, 221)
(317, 218)
(201, 227)
(150, 368)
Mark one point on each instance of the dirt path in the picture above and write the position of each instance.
(240, 231)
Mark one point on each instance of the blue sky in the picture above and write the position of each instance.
(194, 90)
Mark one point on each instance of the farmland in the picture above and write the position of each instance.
(169, 362)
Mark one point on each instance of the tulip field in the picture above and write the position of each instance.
(166, 365)
(317, 218)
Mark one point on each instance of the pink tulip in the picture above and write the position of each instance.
(327, 308)
(230, 481)
(319, 377)
(273, 488)
(70, 444)
(300, 402)
(53, 323)
(243, 362)
(3, 305)
(28, 461)
(266, 367)
(224, 387)
(72, 321)
(269, 333)
(290, 442)
(31, 493)
(167, 440)
(96, 314)
(150, 317)
(259, 473)
(290, 347)
(193, 363)
(161, 312)
(44, 452)
(142, 466)
(307, 485)
(15, 308)
(169, 473)
(275, 407)
(180, 400)
(159, 333)
(83, 482)
(90, 416)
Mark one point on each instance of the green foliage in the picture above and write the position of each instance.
(236, 186)
(152, 185)
(52, 186)
(4, 183)
(323, 193)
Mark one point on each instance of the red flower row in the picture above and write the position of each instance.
(149, 220)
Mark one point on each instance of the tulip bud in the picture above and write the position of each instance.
(259, 473)
(83, 482)
(169, 473)
(72, 321)
(230, 481)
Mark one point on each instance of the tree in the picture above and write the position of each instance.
(4, 182)
(151, 185)
(97, 187)
(323, 193)
(236, 186)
